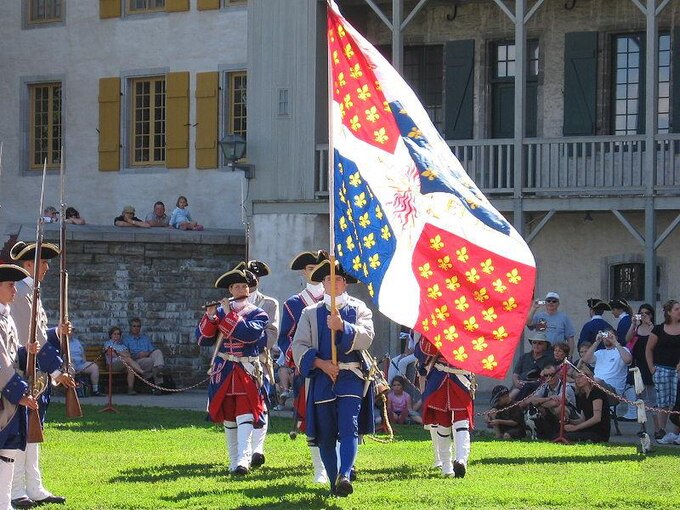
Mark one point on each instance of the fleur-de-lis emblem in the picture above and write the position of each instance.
(438, 341)
(363, 93)
(436, 243)
(434, 292)
(479, 344)
(355, 179)
(354, 122)
(341, 79)
(385, 233)
(348, 51)
(370, 289)
(349, 215)
(364, 221)
(452, 283)
(360, 200)
(369, 240)
(356, 263)
(462, 254)
(433, 320)
(342, 112)
(343, 223)
(462, 304)
(374, 261)
(489, 363)
(372, 114)
(378, 212)
(510, 304)
(513, 276)
(472, 275)
(480, 295)
(450, 333)
(341, 31)
(386, 107)
(380, 136)
(460, 354)
(442, 312)
(445, 263)
(336, 60)
(500, 334)
(415, 133)
(355, 71)
(487, 266)
(338, 248)
(471, 324)
(348, 101)
(472, 203)
(489, 314)
(349, 242)
(425, 270)
(425, 323)
(498, 286)
(430, 174)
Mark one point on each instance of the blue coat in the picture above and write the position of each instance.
(591, 328)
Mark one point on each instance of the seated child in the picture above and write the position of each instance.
(507, 423)
(181, 217)
(399, 404)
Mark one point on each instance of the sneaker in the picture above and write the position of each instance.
(677, 440)
(659, 434)
(669, 438)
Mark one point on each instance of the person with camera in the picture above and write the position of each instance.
(611, 363)
(545, 316)
(528, 367)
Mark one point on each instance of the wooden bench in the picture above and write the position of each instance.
(95, 354)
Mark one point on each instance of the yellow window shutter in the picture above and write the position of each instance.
(207, 86)
(109, 124)
(177, 120)
(109, 9)
(207, 5)
(176, 5)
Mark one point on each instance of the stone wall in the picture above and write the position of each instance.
(162, 276)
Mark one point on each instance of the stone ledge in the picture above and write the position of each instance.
(106, 233)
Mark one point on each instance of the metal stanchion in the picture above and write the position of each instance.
(109, 407)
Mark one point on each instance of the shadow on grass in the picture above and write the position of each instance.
(170, 472)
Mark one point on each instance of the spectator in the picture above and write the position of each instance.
(50, 215)
(158, 218)
(561, 352)
(529, 366)
(611, 363)
(548, 403)
(73, 216)
(83, 366)
(399, 403)
(621, 310)
(399, 364)
(591, 401)
(119, 358)
(128, 219)
(507, 421)
(144, 353)
(663, 360)
(596, 323)
(557, 326)
(636, 342)
(582, 349)
(181, 217)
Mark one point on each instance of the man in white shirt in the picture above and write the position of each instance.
(612, 362)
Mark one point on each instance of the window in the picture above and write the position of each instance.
(237, 122)
(148, 125)
(138, 6)
(283, 103)
(45, 137)
(44, 11)
(629, 84)
(424, 72)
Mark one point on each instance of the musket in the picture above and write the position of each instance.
(36, 384)
(73, 409)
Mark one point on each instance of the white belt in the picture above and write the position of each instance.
(230, 357)
(354, 367)
(451, 370)
(466, 380)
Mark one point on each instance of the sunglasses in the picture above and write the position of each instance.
(552, 300)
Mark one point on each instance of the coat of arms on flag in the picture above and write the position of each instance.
(409, 222)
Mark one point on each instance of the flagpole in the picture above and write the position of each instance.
(331, 188)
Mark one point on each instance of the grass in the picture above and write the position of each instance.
(149, 458)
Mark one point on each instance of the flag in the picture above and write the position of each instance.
(409, 222)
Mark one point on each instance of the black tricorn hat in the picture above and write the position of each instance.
(324, 269)
(598, 305)
(258, 268)
(236, 276)
(307, 258)
(12, 273)
(23, 251)
(619, 303)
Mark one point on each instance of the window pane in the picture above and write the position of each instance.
(149, 121)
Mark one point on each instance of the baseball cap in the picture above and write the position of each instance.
(552, 295)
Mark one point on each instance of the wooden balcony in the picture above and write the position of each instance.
(607, 167)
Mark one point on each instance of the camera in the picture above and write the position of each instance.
(602, 335)
(540, 302)
(637, 316)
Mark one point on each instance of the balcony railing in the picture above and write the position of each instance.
(581, 166)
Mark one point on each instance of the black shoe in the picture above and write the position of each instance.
(58, 500)
(96, 393)
(459, 469)
(257, 460)
(352, 474)
(241, 470)
(24, 502)
(343, 487)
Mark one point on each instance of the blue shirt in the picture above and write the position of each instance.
(559, 327)
(137, 344)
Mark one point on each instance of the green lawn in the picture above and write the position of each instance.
(148, 458)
